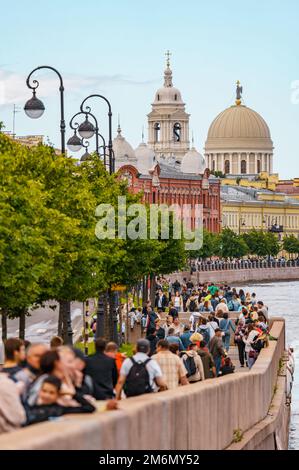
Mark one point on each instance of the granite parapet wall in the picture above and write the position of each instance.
(198, 416)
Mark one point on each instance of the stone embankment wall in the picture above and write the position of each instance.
(200, 416)
(239, 276)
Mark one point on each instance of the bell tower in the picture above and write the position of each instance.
(168, 122)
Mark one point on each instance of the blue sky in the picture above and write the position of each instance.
(117, 49)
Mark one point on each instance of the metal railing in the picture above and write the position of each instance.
(243, 264)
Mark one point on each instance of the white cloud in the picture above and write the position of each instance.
(13, 87)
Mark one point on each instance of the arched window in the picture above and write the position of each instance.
(259, 166)
(157, 129)
(158, 96)
(226, 167)
(177, 132)
(243, 167)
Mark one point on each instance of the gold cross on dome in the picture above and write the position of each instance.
(168, 54)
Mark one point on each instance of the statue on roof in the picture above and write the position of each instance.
(239, 92)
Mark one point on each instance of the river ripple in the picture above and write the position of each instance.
(281, 298)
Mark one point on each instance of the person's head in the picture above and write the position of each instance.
(34, 354)
(177, 294)
(193, 347)
(169, 320)
(157, 323)
(50, 362)
(253, 295)
(14, 349)
(250, 327)
(206, 304)
(111, 349)
(100, 344)
(174, 348)
(176, 321)
(149, 309)
(171, 331)
(160, 292)
(80, 359)
(225, 315)
(261, 317)
(162, 345)
(186, 328)
(203, 321)
(202, 344)
(143, 346)
(223, 301)
(241, 292)
(210, 317)
(67, 357)
(49, 392)
(227, 361)
(56, 342)
(260, 304)
(218, 332)
(27, 344)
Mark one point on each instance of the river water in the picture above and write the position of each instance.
(282, 301)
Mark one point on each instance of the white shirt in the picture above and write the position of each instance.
(152, 366)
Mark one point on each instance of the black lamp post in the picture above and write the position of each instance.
(110, 149)
(87, 130)
(34, 108)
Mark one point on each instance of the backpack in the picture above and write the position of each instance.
(205, 334)
(192, 305)
(137, 381)
(190, 365)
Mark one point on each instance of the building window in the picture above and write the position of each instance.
(213, 165)
(158, 97)
(175, 97)
(177, 132)
(226, 167)
(157, 129)
(243, 167)
(259, 166)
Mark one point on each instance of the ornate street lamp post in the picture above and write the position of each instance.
(34, 108)
(87, 130)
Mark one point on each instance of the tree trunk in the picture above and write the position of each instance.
(22, 324)
(153, 290)
(4, 325)
(67, 333)
(107, 316)
(60, 324)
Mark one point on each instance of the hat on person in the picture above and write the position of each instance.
(143, 345)
(196, 338)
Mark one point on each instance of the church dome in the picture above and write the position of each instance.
(239, 127)
(145, 158)
(123, 151)
(193, 162)
(168, 95)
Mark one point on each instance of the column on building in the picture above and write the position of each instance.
(247, 162)
(230, 163)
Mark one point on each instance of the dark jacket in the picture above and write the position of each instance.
(216, 347)
(164, 302)
(39, 413)
(102, 369)
(207, 362)
(153, 339)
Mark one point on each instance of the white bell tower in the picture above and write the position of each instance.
(168, 122)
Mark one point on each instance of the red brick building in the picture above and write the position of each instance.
(165, 185)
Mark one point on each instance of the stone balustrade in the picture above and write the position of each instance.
(198, 416)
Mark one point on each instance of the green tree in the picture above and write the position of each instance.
(211, 246)
(291, 244)
(262, 243)
(232, 245)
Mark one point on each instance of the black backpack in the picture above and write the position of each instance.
(190, 365)
(192, 305)
(137, 381)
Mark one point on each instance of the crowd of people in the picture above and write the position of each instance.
(39, 382)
